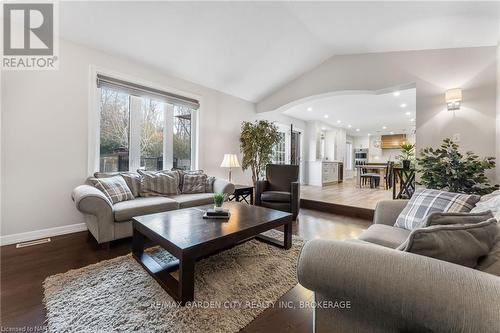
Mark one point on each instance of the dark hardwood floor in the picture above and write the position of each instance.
(24, 270)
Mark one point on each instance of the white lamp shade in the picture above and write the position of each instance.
(230, 161)
(453, 95)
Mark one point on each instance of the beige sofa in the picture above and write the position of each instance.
(107, 221)
(393, 291)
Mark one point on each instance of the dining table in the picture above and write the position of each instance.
(375, 168)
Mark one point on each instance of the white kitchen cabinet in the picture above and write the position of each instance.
(321, 173)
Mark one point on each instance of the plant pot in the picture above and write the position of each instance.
(406, 164)
(218, 208)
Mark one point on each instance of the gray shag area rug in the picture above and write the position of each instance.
(231, 289)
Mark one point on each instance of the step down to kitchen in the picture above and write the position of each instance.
(328, 207)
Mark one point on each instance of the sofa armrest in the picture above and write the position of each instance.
(98, 210)
(437, 295)
(223, 186)
(387, 211)
(92, 194)
(260, 186)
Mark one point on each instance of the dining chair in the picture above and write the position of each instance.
(388, 175)
(371, 177)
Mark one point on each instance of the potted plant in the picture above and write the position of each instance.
(407, 154)
(218, 201)
(446, 168)
(257, 140)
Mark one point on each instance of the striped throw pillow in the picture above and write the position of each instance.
(158, 183)
(114, 188)
(424, 202)
(194, 183)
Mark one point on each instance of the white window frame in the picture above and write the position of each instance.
(94, 127)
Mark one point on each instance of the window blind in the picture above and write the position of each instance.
(140, 90)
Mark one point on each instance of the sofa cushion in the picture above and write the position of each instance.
(461, 244)
(276, 196)
(156, 183)
(114, 188)
(385, 235)
(125, 210)
(192, 200)
(426, 201)
(283, 206)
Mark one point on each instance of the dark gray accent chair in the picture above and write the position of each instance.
(280, 190)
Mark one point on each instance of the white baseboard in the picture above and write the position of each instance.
(37, 234)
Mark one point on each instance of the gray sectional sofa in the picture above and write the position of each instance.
(107, 221)
(365, 285)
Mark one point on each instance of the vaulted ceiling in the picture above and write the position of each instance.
(249, 49)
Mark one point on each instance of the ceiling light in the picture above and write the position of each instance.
(408, 113)
(357, 129)
(326, 116)
(392, 132)
(403, 105)
(384, 127)
(369, 134)
(339, 121)
(309, 109)
(396, 93)
(323, 128)
(412, 119)
(349, 126)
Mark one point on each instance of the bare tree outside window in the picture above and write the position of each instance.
(116, 108)
(182, 137)
(152, 125)
(114, 134)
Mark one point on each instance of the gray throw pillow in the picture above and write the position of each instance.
(491, 262)
(425, 202)
(194, 183)
(209, 186)
(462, 244)
(114, 188)
(159, 183)
(439, 218)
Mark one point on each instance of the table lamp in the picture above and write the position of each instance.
(230, 161)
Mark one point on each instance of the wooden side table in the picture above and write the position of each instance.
(406, 180)
(242, 193)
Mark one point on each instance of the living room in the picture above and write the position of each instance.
(217, 95)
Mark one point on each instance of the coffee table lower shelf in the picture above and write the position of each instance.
(182, 288)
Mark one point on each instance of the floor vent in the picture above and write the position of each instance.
(31, 243)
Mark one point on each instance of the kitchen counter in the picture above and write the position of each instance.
(321, 173)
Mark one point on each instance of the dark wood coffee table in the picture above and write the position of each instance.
(188, 237)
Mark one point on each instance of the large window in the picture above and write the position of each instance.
(143, 129)
(279, 150)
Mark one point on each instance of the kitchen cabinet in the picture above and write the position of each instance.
(323, 173)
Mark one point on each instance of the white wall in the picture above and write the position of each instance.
(498, 116)
(433, 72)
(44, 135)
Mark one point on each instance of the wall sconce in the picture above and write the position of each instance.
(453, 99)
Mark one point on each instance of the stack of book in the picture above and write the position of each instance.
(216, 214)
